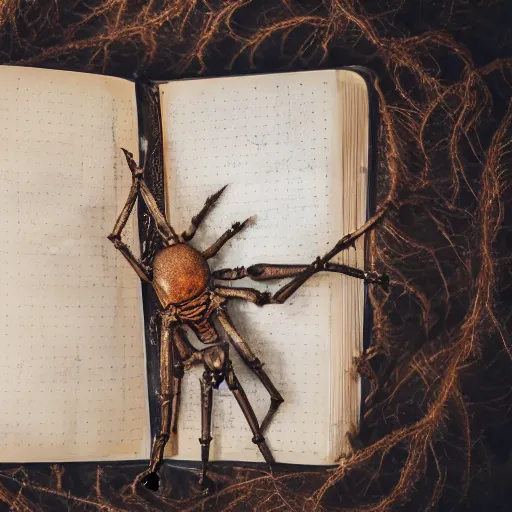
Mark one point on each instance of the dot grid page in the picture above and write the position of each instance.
(72, 364)
(270, 138)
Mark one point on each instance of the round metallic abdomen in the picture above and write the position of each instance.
(180, 273)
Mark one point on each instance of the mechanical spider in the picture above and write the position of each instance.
(189, 296)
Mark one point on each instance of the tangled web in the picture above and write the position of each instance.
(440, 364)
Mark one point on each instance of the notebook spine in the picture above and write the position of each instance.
(151, 157)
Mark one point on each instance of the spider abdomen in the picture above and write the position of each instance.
(180, 273)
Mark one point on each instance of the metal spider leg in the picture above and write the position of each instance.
(115, 236)
(263, 298)
(185, 351)
(319, 264)
(248, 357)
(171, 373)
(262, 272)
(166, 400)
(230, 233)
(266, 272)
(249, 294)
(290, 288)
(163, 227)
(259, 272)
(197, 219)
(214, 360)
(206, 382)
(230, 274)
(270, 271)
(239, 393)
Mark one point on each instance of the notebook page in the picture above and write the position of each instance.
(71, 339)
(271, 139)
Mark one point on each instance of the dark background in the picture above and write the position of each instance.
(437, 430)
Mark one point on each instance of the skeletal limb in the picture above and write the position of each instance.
(197, 219)
(253, 363)
(163, 227)
(318, 265)
(250, 294)
(269, 271)
(206, 382)
(115, 236)
(239, 393)
(173, 346)
(304, 273)
(214, 361)
(264, 298)
(230, 233)
(186, 351)
(217, 366)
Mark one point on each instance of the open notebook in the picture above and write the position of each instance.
(78, 372)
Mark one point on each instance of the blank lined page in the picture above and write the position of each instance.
(72, 368)
(273, 140)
